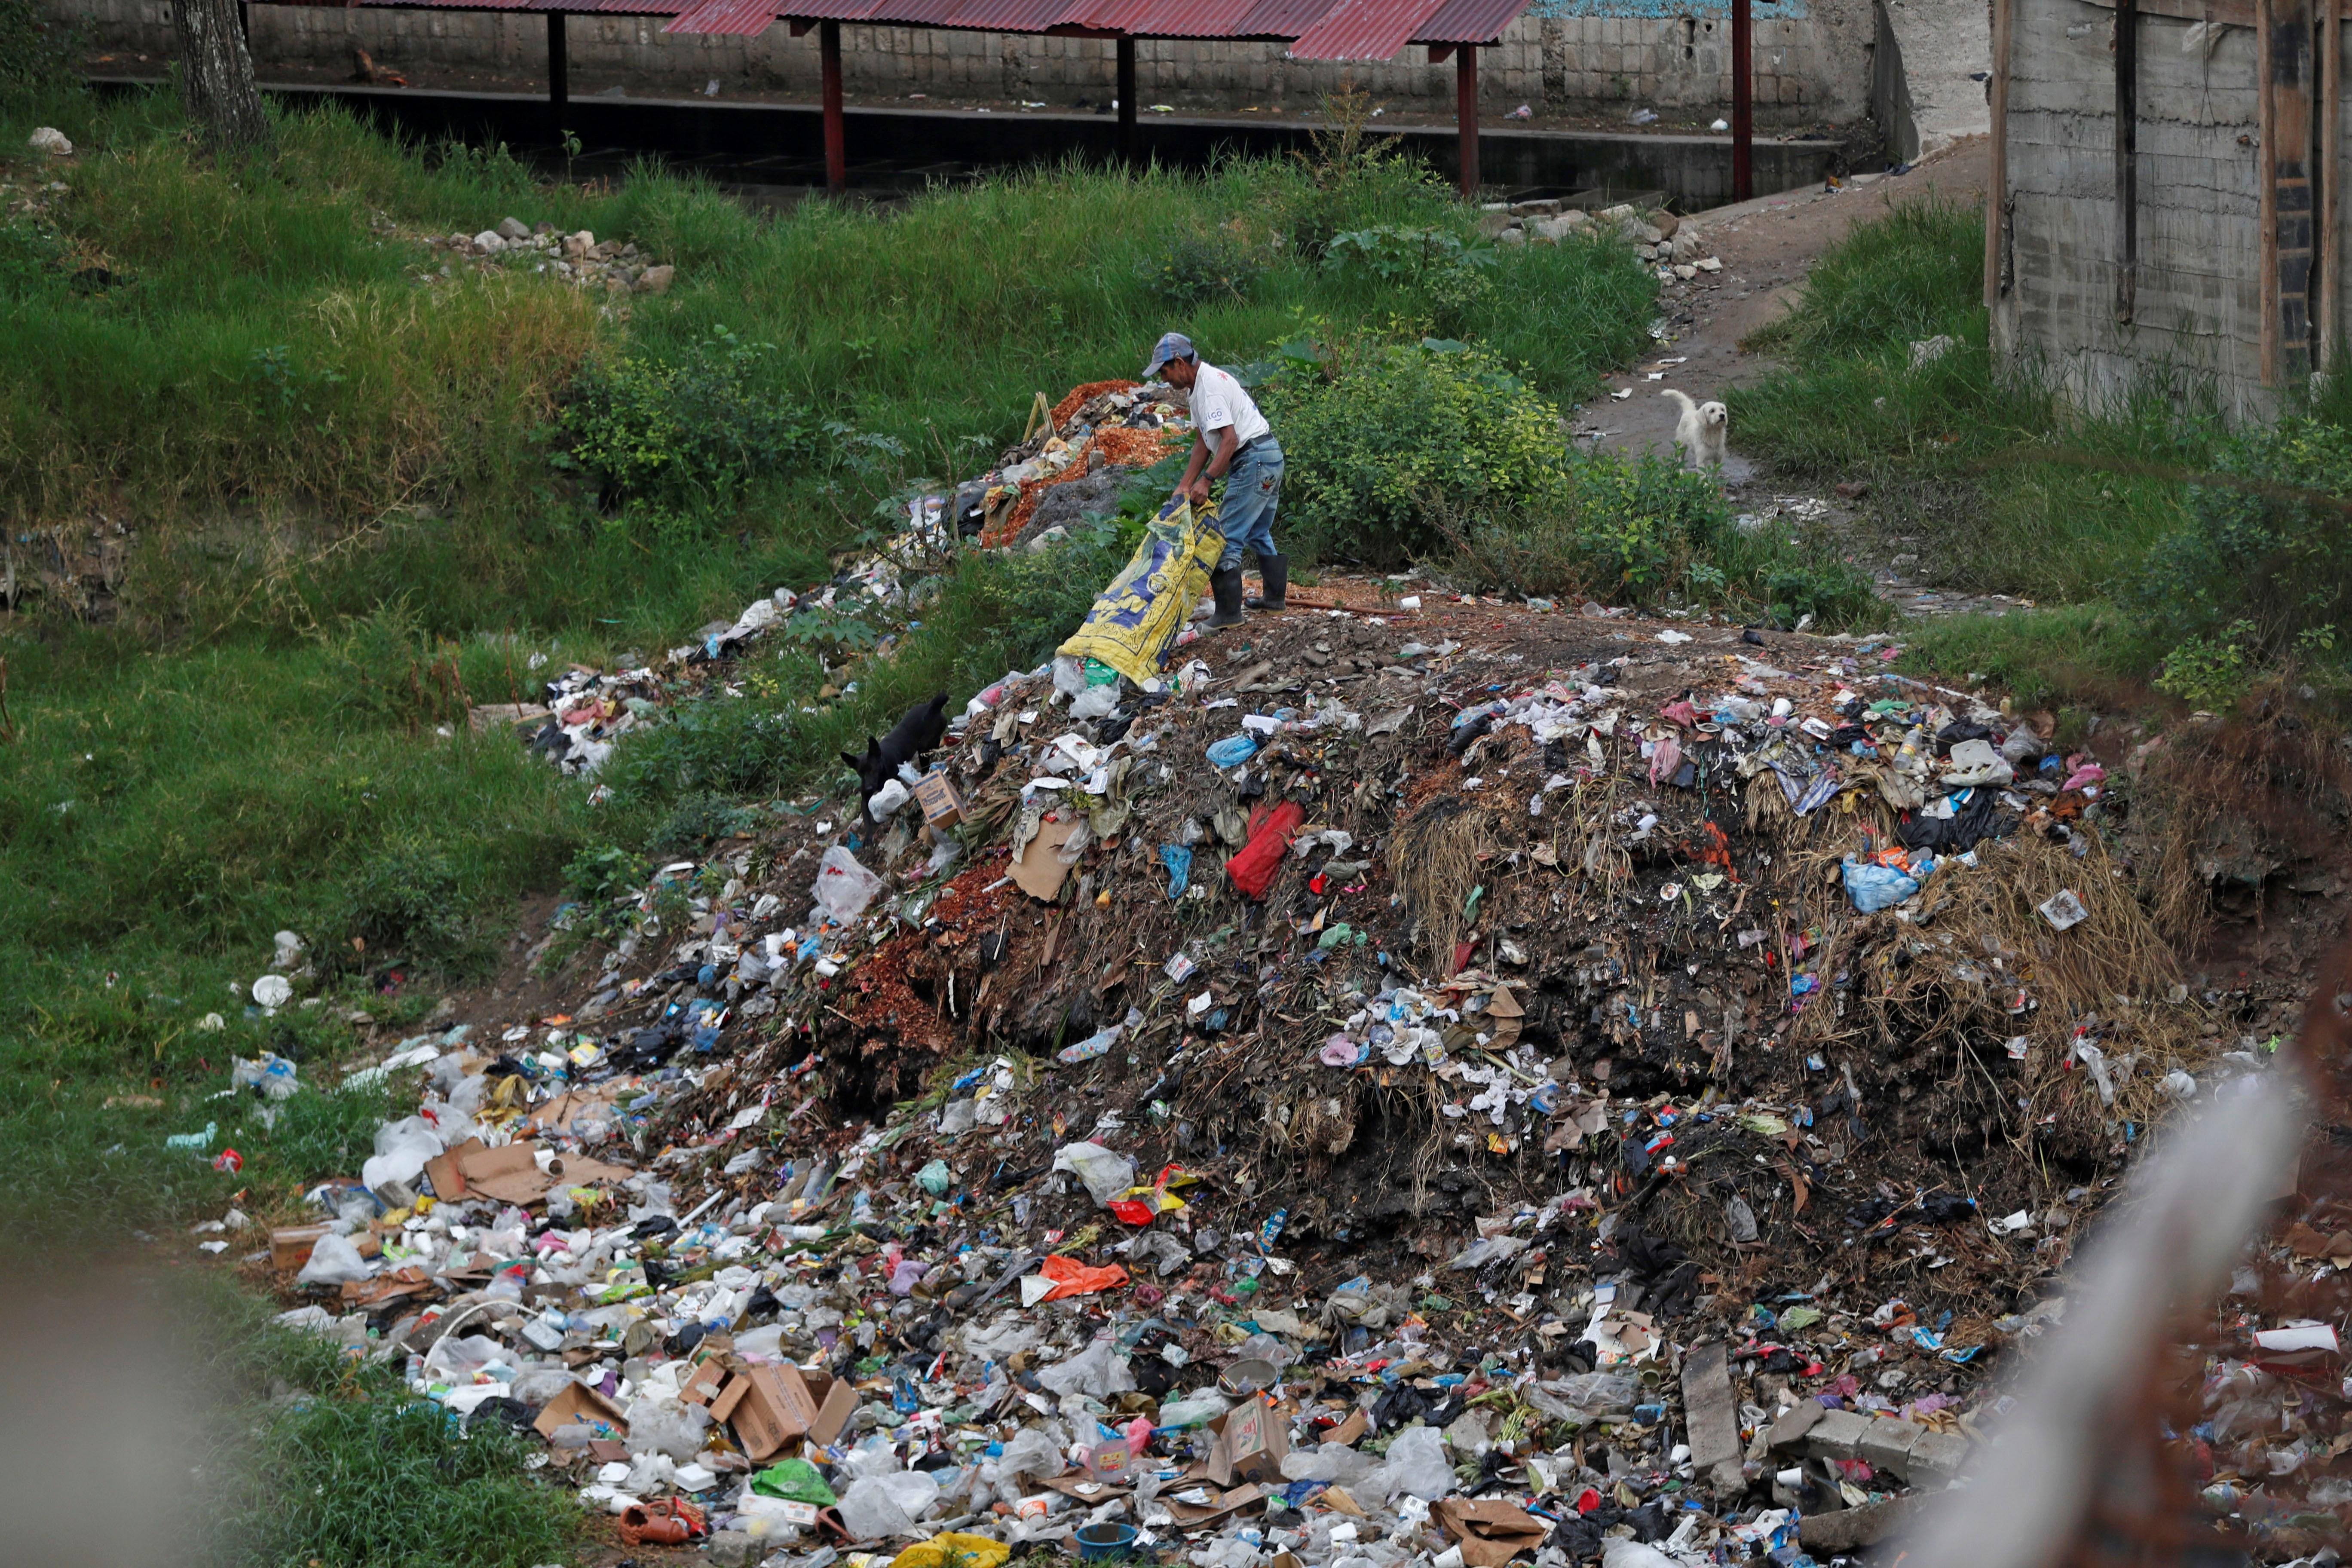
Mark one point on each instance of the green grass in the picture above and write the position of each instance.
(1993, 480)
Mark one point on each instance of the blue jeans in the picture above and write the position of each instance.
(1252, 491)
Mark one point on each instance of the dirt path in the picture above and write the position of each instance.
(1766, 247)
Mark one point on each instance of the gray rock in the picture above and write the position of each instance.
(656, 279)
(1937, 1457)
(1887, 1445)
(731, 1548)
(1711, 1414)
(513, 228)
(1789, 1430)
(1850, 1529)
(1073, 500)
(489, 242)
(1836, 1436)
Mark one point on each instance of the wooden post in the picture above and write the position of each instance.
(1126, 90)
(2330, 325)
(1466, 115)
(836, 151)
(558, 71)
(2283, 42)
(1997, 181)
(2127, 158)
(1743, 102)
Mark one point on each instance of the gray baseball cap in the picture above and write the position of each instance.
(1175, 345)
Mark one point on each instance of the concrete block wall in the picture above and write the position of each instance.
(2198, 310)
(1813, 58)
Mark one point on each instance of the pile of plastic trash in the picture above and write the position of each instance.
(1446, 1082)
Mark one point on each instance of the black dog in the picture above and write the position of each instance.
(918, 733)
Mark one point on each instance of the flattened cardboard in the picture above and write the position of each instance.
(507, 1176)
(1349, 1431)
(1039, 870)
(1189, 1514)
(1490, 1532)
(444, 1171)
(578, 1402)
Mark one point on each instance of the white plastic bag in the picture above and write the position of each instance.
(844, 887)
(334, 1261)
(1417, 1465)
(879, 1506)
(1106, 1175)
(1097, 1371)
(401, 1150)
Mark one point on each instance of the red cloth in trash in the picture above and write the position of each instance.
(1270, 833)
(1072, 1277)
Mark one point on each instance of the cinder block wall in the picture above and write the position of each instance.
(2199, 298)
(1813, 58)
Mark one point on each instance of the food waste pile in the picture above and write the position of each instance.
(1418, 1079)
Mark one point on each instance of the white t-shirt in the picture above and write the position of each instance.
(1218, 400)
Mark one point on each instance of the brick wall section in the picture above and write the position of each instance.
(2199, 298)
(1811, 66)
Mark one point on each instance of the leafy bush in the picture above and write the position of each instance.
(406, 899)
(1352, 179)
(1645, 531)
(699, 818)
(1388, 437)
(679, 437)
(1455, 276)
(385, 667)
(35, 49)
(1196, 266)
(2261, 573)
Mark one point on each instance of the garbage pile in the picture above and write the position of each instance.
(1453, 1082)
(1074, 460)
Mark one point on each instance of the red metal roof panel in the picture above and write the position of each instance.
(725, 18)
(1281, 18)
(1364, 30)
(1014, 16)
(1470, 21)
(1178, 19)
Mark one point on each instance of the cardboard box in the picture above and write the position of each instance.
(1250, 1441)
(290, 1244)
(579, 1402)
(769, 1406)
(942, 806)
(1490, 1532)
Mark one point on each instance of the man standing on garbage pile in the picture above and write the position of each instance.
(1237, 445)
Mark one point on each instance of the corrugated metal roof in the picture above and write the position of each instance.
(1178, 19)
(1280, 18)
(725, 18)
(1470, 21)
(1323, 30)
(1364, 30)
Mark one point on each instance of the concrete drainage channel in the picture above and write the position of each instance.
(779, 146)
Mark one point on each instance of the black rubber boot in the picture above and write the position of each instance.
(1226, 584)
(1276, 572)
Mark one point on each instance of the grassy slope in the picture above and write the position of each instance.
(1997, 484)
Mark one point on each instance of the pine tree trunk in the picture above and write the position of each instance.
(217, 76)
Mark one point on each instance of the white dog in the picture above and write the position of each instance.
(1703, 432)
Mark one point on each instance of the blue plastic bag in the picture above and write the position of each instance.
(1233, 750)
(1875, 888)
(1179, 861)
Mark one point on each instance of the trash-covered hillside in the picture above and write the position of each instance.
(1408, 1077)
